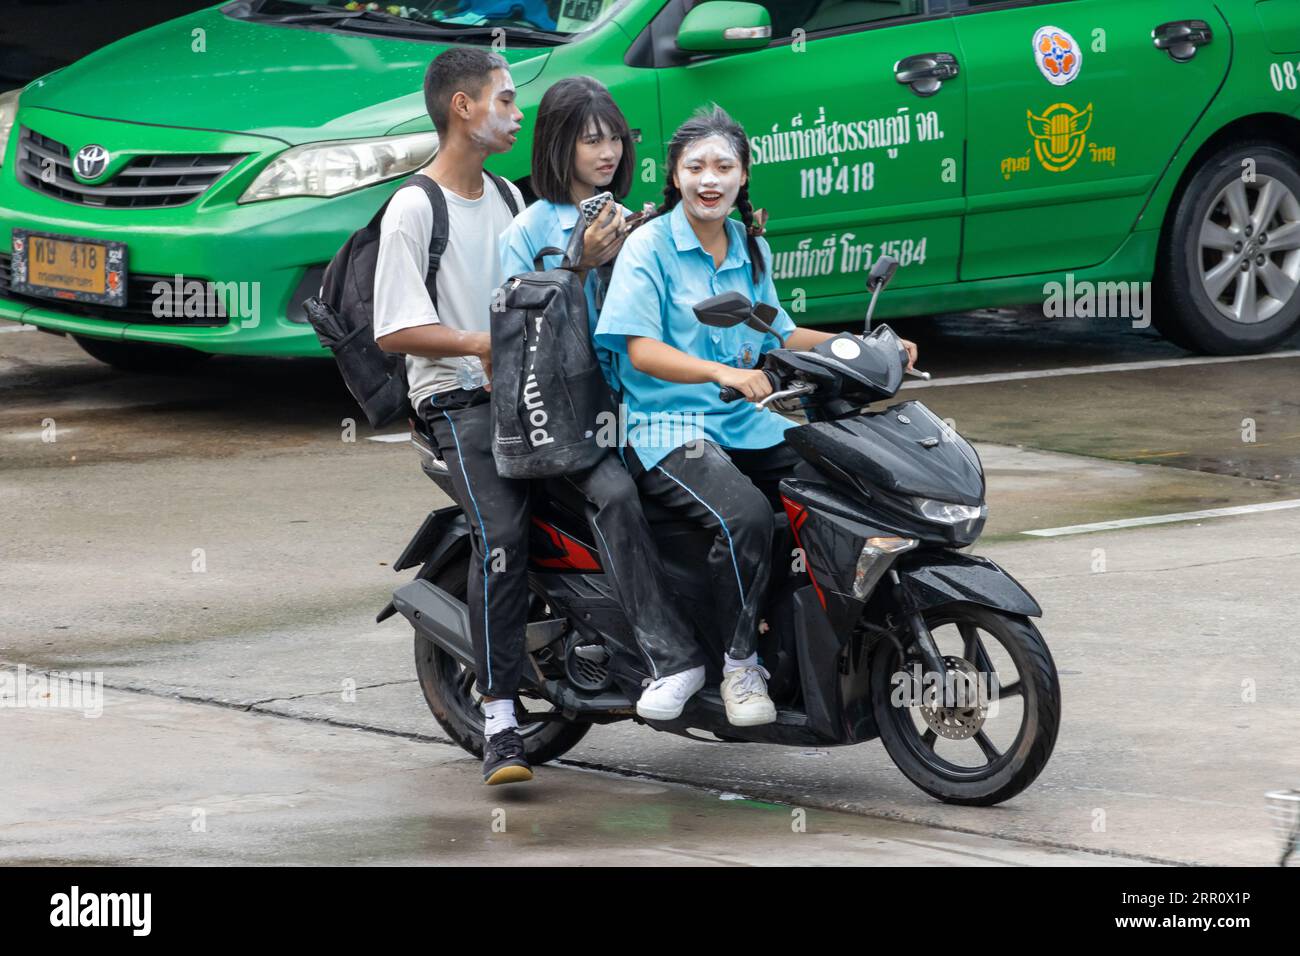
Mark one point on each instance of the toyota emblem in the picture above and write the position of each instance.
(90, 162)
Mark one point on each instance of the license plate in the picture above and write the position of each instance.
(65, 267)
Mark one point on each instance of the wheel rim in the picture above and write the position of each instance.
(961, 742)
(459, 680)
(1249, 249)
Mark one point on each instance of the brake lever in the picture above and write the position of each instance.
(924, 376)
(803, 388)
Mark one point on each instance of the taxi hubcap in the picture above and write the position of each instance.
(1250, 249)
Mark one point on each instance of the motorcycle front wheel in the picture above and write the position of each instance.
(448, 688)
(982, 732)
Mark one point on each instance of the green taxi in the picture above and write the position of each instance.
(178, 193)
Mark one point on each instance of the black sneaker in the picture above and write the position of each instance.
(504, 760)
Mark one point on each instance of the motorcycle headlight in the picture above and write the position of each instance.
(947, 512)
(330, 169)
(8, 112)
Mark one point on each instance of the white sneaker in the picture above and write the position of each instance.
(665, 698)
(744, 691)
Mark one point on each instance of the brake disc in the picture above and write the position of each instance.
(964, 721)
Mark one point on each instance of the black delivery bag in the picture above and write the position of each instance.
(548, 392)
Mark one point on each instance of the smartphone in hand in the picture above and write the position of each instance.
(593, 207)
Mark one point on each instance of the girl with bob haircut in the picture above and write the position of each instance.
(582, 146)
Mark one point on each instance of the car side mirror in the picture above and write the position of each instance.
(722, 26)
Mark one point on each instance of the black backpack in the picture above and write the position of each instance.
(547, 387)
(343, 314)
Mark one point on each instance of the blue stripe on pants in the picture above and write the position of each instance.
(487, 634)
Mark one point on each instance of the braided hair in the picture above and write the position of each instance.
(715, 121)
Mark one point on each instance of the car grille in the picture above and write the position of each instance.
(164, 179)
(139, 301)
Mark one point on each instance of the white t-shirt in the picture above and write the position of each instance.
(469, 272)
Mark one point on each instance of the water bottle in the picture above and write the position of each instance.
(469, 373)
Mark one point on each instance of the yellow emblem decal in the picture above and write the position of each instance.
(1059, 134)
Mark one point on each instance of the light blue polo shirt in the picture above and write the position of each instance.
(661, 272)
(543, 224)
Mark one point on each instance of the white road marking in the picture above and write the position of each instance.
(17, 328)
(1095, 369)
(1165, 519)
(401, 436)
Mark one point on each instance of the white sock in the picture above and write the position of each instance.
(730, 663)
(500, 716)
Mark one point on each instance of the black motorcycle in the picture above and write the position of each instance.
(877, 625)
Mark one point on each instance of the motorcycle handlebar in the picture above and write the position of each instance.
(729, 394)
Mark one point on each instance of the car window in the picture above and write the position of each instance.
(557, 18)
(960, 5)
(831, 14)
(814, 16)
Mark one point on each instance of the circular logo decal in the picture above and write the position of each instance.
(846, 349)
(1057, 55)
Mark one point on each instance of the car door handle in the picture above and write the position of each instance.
(925, 72)
(1182, 38)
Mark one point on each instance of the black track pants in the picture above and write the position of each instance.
(733, 493)
(499, 511)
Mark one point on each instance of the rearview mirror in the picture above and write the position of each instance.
(724, 311)
(761, 319)
(730, 309)
(721, 26)
(881, 272)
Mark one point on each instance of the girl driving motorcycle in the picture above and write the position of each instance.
(667, 363)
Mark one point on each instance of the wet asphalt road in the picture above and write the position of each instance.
(228, 701)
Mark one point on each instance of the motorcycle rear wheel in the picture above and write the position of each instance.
(448, 688)
(914, 735)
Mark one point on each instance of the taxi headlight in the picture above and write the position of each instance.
(8, 113)
(334, 168)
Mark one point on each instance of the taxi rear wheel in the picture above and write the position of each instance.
(1230, 268)
(135, 357)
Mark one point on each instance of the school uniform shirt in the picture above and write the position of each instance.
(467, 275)
(543, 224)
(660, 274)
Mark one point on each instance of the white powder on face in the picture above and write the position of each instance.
(708, 154)
(495, 126)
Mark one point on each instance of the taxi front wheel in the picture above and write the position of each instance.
(137, 357)
(1229, 269)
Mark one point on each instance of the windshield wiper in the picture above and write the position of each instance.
(389, 24)
(323, 13)
(453, 32)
